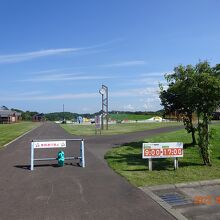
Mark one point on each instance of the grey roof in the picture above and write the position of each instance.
(3, 108)
(7, 113)
(39, 115)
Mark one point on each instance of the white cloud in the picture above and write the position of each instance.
(151, 79)
(125, 63)
(67, 96)
(85, 109)
(13, 58)
(141, 99)
(135, 92)
(43, 72)
(20, 57)
(129, 107)
(30, 97)
(146, 91)
(151, 103)
(121, 94)
(154, 74)
(64, 77)
(146, 106)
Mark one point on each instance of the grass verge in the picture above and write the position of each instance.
(116, 128)
(127, 161)
(9, 132)
(122, 116)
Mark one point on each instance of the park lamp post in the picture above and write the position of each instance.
(104, 92)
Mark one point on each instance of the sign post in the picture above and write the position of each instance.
(98, 119)
(162, 150)
(82, 156)
(150, 164)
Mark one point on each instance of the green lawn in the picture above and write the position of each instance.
(116, 128)
(127, 161)
(9, 132)
(121, 116)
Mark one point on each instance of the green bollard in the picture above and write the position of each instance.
(61, 158)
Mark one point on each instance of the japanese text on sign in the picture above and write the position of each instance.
(49, 144)
(162, 150)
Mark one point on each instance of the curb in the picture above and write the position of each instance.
(184, 185)
(20, 136)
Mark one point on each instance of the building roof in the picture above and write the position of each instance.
(39, 115)
(7, 113)
(3, 108)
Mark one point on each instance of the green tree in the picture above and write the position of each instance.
(194, 90)
(27, 116)
(178, 97)
(216, 71)
(207, 98)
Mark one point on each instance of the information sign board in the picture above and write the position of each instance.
(162, 150)
(98, 122)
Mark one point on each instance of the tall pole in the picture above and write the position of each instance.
(63, 113)
(102, 116)
(106, 108)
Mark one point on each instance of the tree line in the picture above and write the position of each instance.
(70, 116)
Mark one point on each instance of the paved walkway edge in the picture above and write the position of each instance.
(163, 204)
(21, 136)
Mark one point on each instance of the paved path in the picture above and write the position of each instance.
(71, 192)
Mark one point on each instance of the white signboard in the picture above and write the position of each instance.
(49, 144)
(162, 150)
(98, 122)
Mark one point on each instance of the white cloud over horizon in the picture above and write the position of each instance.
(39, 95)
(129, 107)
(125, 63)
(64, 77)
(45, 97)
(25, 56)
(14, 58)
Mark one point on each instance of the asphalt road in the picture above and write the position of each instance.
(70, 192)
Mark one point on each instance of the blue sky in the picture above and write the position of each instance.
(61, 52)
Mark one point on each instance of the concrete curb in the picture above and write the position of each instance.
(184, 185)
(20, 136)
